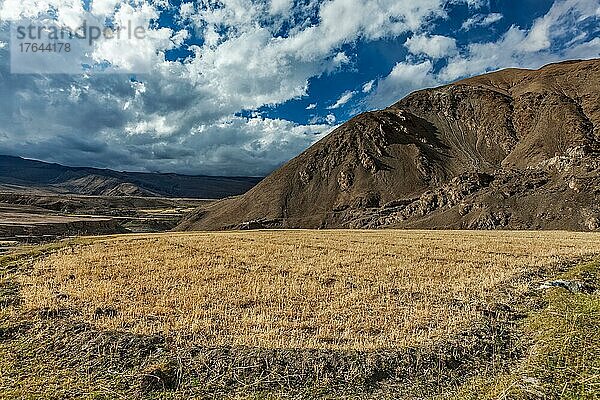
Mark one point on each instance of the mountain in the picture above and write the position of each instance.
(19, 174)
(514, 149)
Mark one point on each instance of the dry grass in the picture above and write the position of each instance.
(296, 289)
(563, 357)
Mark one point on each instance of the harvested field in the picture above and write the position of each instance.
(297, 289)
(291, 314)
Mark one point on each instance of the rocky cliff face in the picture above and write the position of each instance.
(513, 149)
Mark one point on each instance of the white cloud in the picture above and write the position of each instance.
(481, 20)
(516, 47)
(527, 48)
(344, 98)
(256, 145)
(404, 78)
(67, 12)
(477, 3)
(186, 10)
(181, 118)
(584, 50)
(281, 6)
(156, 126)
(131, 53)
(243, 63)
(311, 106)
(554, 24)
(434, 46)
(368, 86)
(104, 7)
(338, 61)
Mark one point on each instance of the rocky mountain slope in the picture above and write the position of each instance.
(19, 174)
(514, 149)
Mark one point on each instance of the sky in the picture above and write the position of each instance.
(239, 87)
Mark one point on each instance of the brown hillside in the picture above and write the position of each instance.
(511, 149)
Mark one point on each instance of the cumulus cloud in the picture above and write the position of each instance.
(281, 6)
(131, 53)
(183, 116)
(435, 46)
(529, 48)
(186, 10)
(153, 135)
(564, 23)
(404, 78)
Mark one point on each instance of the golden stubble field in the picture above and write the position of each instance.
(297, 289)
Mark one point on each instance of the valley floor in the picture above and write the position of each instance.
(39, 217)
(303, 314)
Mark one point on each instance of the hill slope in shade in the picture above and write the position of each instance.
(514, 149)
(19, 174)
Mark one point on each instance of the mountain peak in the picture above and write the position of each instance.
(480, 152)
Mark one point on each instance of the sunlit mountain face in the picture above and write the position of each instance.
(237, 87)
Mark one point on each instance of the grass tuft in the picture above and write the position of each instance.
(563, 341)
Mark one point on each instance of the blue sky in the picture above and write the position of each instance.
(373, 60)
(238, 87)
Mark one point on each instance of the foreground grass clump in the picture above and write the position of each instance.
(297, 289)
(563, 339)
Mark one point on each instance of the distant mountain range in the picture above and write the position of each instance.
(514, 149)
(19, 174)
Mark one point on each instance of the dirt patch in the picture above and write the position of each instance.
(143, 366)
(9, 294)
